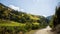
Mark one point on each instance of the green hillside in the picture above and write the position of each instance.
(13, 20)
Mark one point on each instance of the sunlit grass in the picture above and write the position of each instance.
(11, 24)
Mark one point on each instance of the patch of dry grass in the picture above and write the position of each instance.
(31, 32)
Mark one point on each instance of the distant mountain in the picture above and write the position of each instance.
(49, 17)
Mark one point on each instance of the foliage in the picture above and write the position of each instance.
(51, 22)
(15, 21)
(55, 21)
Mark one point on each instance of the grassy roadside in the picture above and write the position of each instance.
(31, 32)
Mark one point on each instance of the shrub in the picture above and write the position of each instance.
(35, 26)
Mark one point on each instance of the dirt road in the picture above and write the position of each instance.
(44, 31)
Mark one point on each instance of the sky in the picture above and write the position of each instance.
(36, 7)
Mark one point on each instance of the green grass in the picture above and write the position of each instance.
(11, 24)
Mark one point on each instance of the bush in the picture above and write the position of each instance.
(11, 29)
(35, 26)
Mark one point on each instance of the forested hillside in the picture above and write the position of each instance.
(13, 21)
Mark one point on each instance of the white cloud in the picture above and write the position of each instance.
(44, 15)
(21, 9)
(16, 8)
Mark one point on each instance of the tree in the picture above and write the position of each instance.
(56, 20)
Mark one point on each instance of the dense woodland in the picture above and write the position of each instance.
(13, 21)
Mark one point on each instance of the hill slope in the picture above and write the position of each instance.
(12, 21)
(7, 13)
